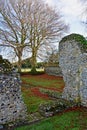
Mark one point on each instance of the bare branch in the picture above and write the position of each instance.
(29, 24)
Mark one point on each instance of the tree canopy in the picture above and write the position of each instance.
(29, 24)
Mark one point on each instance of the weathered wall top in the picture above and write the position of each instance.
(73, 62)
(81, 41)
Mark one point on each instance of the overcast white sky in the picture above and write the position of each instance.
(72, 12)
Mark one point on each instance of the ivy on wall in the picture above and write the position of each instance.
(5, 65)
(82, 42)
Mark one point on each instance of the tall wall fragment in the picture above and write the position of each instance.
(73, 62)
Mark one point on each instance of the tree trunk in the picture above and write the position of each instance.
(19, 54)
(33, 60)
(19, 64)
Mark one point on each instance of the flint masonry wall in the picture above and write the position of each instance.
(73, 62)
(11, 103)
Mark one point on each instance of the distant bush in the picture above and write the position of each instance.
(33, 71)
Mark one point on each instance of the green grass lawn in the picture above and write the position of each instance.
(41, 82)
(37, 81)
(32, 101)
(70, 120)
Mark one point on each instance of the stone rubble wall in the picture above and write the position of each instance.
(53, 70)
(11, 103)
(73, 63)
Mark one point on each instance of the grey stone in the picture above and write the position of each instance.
(53, 70)
(12, 107)
(1, 127)
(73, 62)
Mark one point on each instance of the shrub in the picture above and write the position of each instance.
(5, 65)
(35, 72)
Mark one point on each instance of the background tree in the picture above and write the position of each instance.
(26, 63)
(52, 57)
(84, 12)
(27, 23)
(46, 26)
(14, 26)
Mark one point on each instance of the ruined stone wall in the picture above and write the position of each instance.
(11, 103)
(73, 62)
(53, 70)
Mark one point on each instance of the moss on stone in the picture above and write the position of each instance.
(82, 42)
(5, 65)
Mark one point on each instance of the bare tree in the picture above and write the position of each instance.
(52, 57)
(84, 12)
(29, 23)
(46, 26)
(14, 26)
